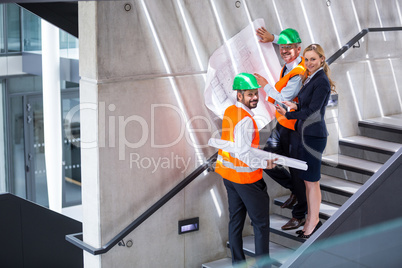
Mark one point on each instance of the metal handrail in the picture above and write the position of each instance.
(357, 37)
(77, 239)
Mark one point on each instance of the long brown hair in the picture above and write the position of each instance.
(320, 51)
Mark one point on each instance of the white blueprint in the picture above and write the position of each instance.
(230, 147)
(241, 53)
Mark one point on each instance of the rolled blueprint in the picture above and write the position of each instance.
(230, 147)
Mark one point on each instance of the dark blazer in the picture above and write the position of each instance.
(313, 98)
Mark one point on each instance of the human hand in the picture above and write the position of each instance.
(291, 105)
(264, 35)
(280, 109)
(271, 164)
(261, 80)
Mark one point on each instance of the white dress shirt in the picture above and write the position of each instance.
(292, 88)
(290, 91)
(244, 133)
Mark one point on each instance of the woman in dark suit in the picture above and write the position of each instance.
(313, 98)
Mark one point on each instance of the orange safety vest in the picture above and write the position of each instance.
(227, 166)
(298, 70)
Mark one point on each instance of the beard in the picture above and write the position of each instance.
(252, 104)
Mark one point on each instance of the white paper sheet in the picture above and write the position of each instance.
(229, 147)
(241, 53)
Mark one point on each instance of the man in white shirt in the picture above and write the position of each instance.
(242, 172)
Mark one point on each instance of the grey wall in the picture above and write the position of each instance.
(367, 77)
(137, 96)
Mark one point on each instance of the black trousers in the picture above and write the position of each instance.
(252, 199)
(285, 142)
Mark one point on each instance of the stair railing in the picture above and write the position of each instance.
(356, 38)
(77, 239)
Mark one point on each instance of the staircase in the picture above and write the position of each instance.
(342, 175)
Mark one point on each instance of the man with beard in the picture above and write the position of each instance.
(242, 172)
(284, 139)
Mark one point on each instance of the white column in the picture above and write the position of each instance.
(52, 113)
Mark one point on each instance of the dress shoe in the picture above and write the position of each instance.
(290, 202)
(300, 232)
(302, 235)
(293, 223)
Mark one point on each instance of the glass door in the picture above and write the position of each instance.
(27, 169)
(17, 182)
(70, 104)
(27, 165)
(35, 151)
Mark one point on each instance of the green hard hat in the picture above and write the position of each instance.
(245, 81)
(289, 36)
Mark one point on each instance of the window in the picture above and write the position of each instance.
(10, 28)
(13, 28)
(31, 31)
(2, 47)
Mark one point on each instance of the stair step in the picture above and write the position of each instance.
(336, 190)
(394, 121)
(348, 168)
(387, 128)
(375, 145)
(351, 163)
(326, 209)
(338, 186)
(368, 148)
(286, 238)
(222, 263)
(277, 252)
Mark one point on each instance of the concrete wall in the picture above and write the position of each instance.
(367, 77)
(141, 83)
